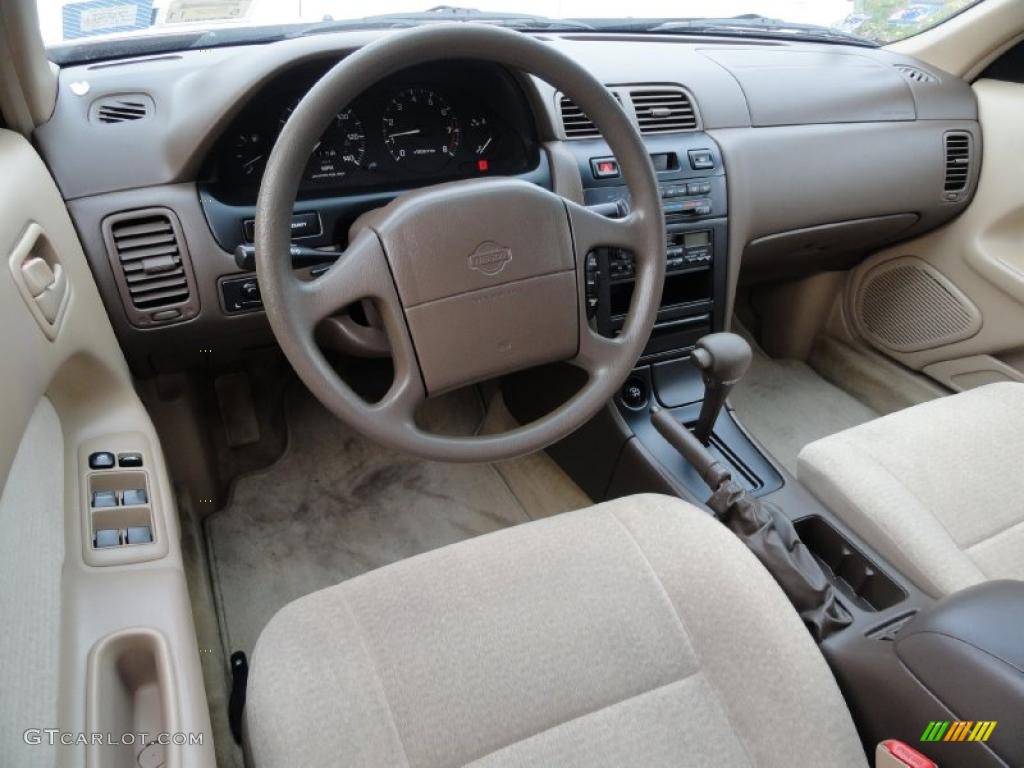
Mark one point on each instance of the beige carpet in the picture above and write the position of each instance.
(786, 405)
(337, 505)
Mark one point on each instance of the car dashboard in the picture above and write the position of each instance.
(775, 159)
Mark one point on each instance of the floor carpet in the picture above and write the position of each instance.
(786, 405)
(337, 505)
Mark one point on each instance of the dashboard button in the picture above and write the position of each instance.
(701, 159)
(604, 167)
(303, 225)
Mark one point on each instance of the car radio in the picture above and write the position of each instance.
(692, 184)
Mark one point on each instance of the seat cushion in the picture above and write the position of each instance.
(639, 632)
(938, 488)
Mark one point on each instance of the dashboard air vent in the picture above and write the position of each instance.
(663, 110)
(575, 122)
(958, 164)
(126, 108)
(916, 74)
(152, 267)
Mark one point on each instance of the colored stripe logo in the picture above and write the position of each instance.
(958, 730)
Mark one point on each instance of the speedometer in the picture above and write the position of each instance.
(420, 130)
(341, 149)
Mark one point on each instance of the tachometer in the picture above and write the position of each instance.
(420, 130)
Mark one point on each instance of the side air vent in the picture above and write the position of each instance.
(663, 110)
(916, 74)
(576, 124)
(958, 164)
(151, 266)
(125, 108)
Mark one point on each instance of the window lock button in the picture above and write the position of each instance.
(101, 460)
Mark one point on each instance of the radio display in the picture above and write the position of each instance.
(697, 239)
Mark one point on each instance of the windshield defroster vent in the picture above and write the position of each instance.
(958, 164)
(151, 266)
(916, 74)
(663, 110)
(121, 109)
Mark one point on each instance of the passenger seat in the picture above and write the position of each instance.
(938, 488)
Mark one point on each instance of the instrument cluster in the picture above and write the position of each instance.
(438, 123)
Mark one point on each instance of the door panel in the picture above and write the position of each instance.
(31, 510)
(951, 303)
(67, 392)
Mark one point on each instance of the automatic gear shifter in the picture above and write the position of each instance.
(764, 528)
(722, 359)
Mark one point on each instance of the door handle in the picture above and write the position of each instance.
(41, 279)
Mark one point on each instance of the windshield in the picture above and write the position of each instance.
(881, 21)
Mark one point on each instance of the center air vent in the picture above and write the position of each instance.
(151, 265)
(575, 122)
(958, 164)
(121, 109)
(656, 109)
(663, 110)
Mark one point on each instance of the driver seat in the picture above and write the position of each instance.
(639, 632)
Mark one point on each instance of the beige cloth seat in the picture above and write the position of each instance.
(639, 632)
(938, 489)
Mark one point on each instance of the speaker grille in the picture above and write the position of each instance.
(906, 306)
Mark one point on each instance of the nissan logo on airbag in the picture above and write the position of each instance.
(490, 258)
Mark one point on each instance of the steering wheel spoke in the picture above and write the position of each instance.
(597, 353)
(592, 230)
(361, 272)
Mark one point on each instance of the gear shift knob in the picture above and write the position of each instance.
(722, 359)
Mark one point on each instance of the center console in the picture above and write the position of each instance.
(691, 177)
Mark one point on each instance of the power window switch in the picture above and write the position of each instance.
(107, 537)
(103, 499)
(130, 460)
(133, 497)
(101, 460)
(139, 535)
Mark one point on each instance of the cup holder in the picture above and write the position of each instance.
(854, 575)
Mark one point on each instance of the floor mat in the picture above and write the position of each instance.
(786, 405)
(337, 505)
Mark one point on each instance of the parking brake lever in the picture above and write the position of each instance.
(765, 529)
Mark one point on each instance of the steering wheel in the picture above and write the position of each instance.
(472, 279)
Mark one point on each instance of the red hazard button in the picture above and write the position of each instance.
(604, 167)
